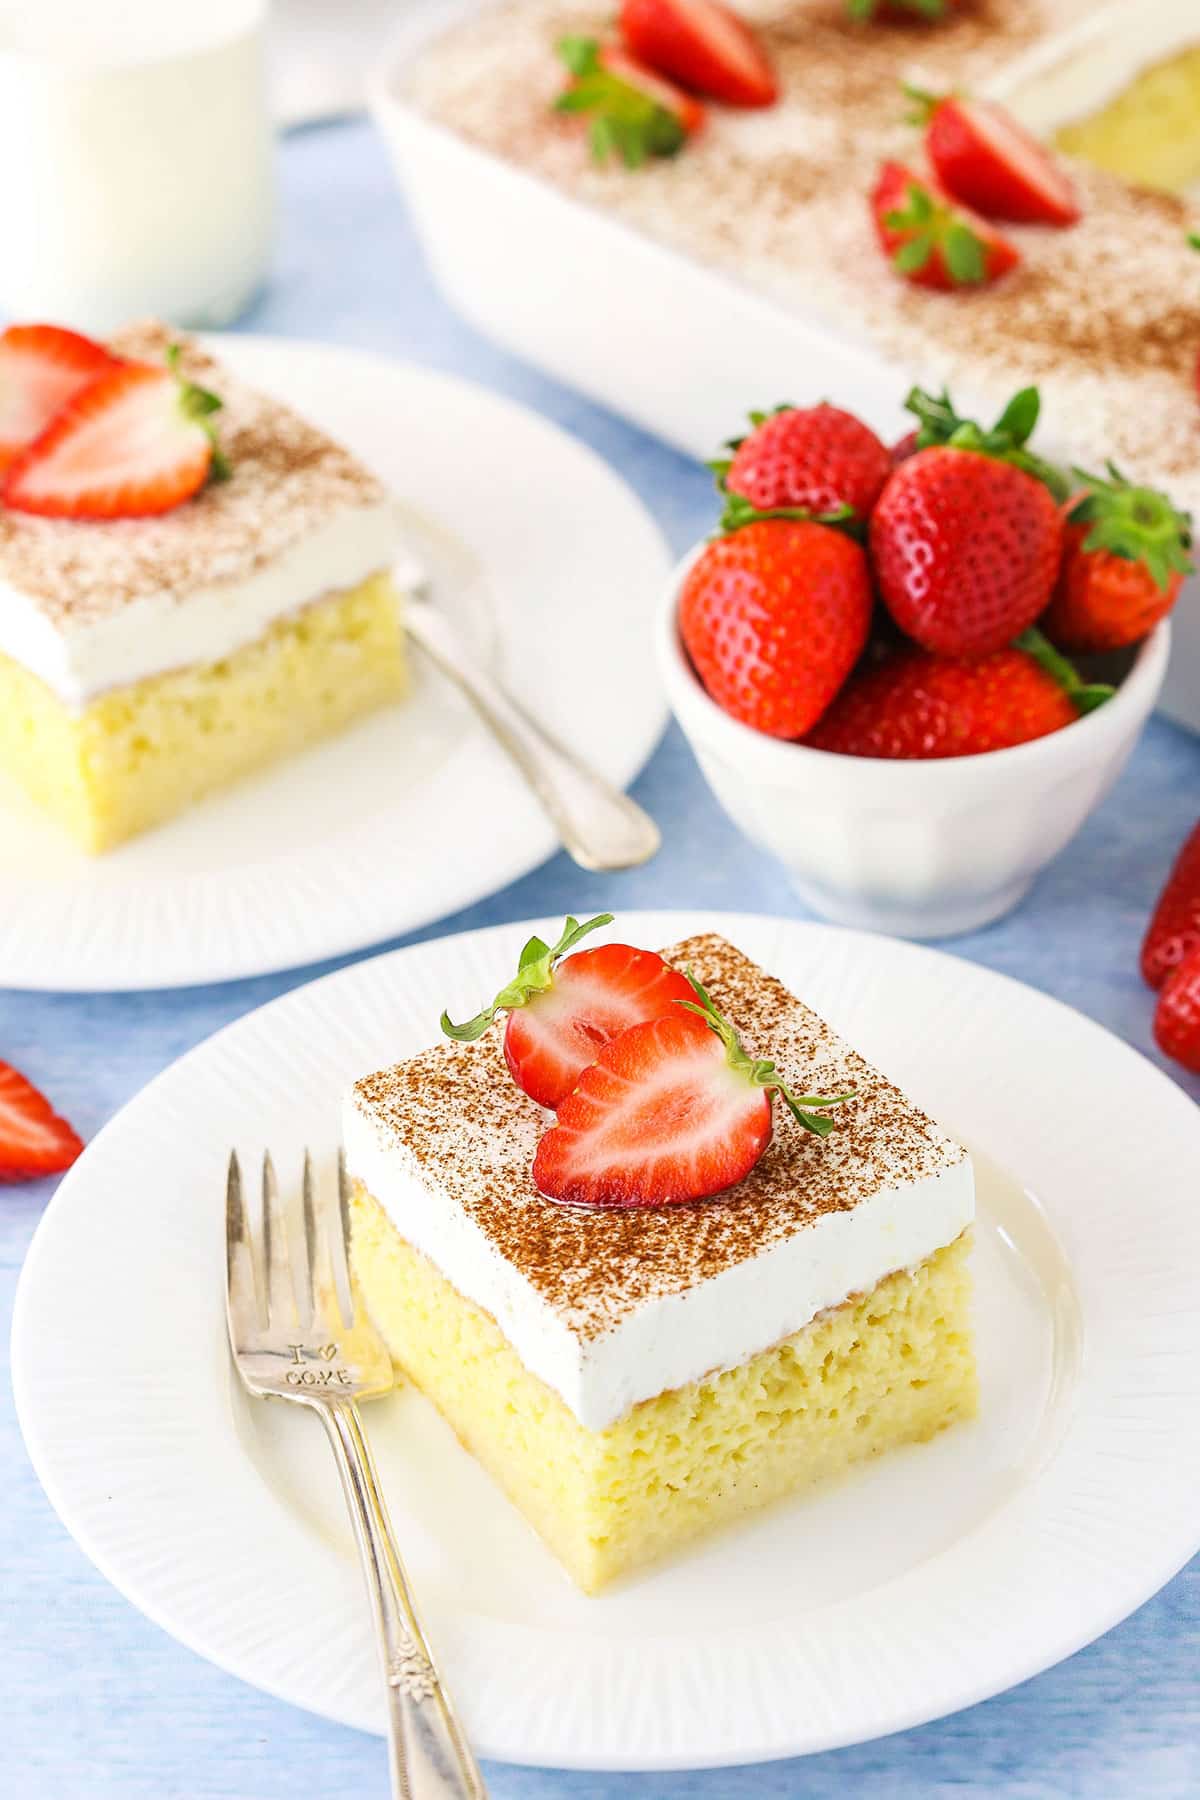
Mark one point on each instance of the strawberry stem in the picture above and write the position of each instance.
(759, 1071)
(535, 973)
(739, 511)
(940, 425)
(1086, 695)
(197, 405)
(1137, 523)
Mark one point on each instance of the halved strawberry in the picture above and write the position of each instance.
(41, 368)
(33, 1139)
(672, 1110)
(632, 112)
(562, 1014)
(931, 240)
(135, 441)
(702, 45)
(984, 158)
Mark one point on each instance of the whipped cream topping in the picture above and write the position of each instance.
(610, 1307)
(81, 657)
(91, 605)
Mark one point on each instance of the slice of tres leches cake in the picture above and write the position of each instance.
(154, 649)
(638, 1369)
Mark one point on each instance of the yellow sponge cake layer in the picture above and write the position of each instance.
(893, 1366)
(1150, 133)
(138, 755)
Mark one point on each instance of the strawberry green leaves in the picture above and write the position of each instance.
(1134, 522)
(928, 226)
(940, 424)
(760, 1071)
(535, 974)
(623, 121)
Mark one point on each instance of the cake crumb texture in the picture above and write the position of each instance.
(894, 1366)
(140, 754)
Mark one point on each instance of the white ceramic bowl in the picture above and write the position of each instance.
(919, 849)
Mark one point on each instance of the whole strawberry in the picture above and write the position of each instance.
(1124, 561)
(1177, 1016)
(966, 538)
(815, 457)
(774, 616)
(915, 706)
(932, 240)
(1174, 930)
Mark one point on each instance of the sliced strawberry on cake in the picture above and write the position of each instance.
(703, 46)
(563, 1010)
(932, 240)
(672, 1110)
(633, 113)
(41, 368)
(989, 162)
(137, 440)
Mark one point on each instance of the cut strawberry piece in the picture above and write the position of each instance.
(561, 1014)
(701, 45)
(989, 162)
(597, 994)
(633, 113)
(138, 440)
(33, 1139)
(931, 240)
(670, 1111)
(41, 368)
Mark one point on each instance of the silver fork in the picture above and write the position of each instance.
(294, 1341)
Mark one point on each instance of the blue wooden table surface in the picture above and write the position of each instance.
(96, 1702)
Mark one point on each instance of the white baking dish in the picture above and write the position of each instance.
(590, 300)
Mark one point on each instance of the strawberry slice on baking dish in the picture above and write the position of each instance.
(561, 1013)
(930, 239)
(987, 160)
(671, 1110)
(34, 1140)
(632, 112)
(41, 368)
(136, 441)
(702, 45)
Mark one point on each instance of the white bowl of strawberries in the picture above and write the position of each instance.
(872, 659)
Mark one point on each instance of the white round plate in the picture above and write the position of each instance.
(548, 562)
(937, 1576)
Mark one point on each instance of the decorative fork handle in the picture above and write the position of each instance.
(430, 1758)
(600, 827)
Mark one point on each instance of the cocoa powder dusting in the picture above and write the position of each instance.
(472, 1134)
(287, 479)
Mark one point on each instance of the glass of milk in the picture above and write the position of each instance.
(137, 145)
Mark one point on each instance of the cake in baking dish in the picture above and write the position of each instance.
(635, 1376)
(145, 662)
(1102, 317)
